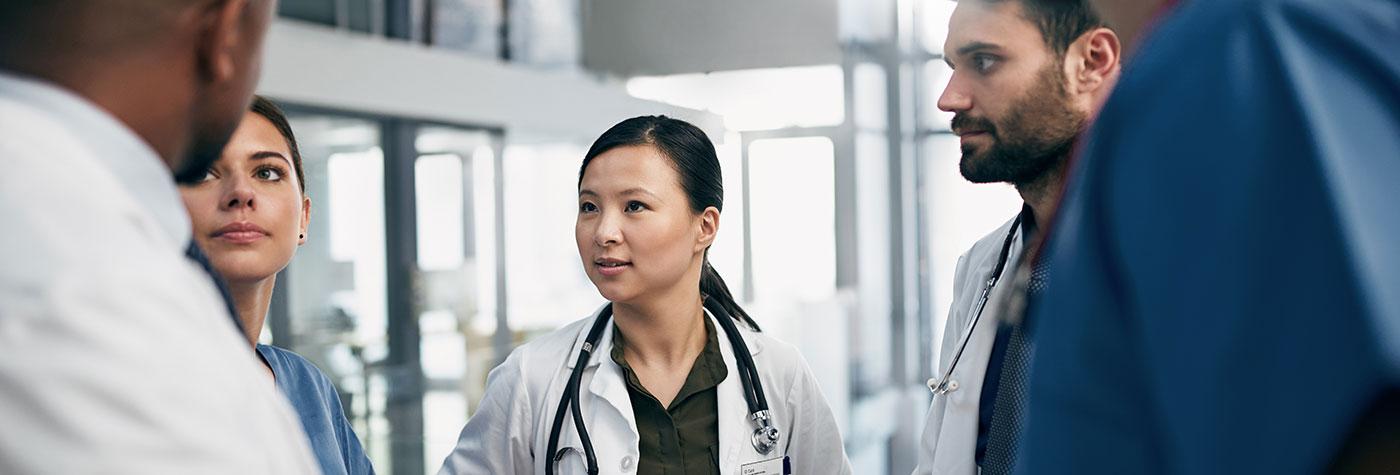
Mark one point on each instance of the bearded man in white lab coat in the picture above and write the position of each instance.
(1027, 77)
(117, 354)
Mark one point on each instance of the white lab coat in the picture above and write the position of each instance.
(949, 442)
(117, 354)
(510, 431)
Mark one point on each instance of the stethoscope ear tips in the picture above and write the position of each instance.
(942, 388)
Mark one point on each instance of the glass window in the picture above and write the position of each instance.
(871, 327)
(365, 16)
(336, 284)
(471, 26)
(936, 75)
(456, 351)
(871, 101)
(793, 219)
(727, 252)
(868, 21)
(545, 33)
(755, 99)
(933, 24)
(546, 285)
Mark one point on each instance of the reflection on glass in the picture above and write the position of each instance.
(365, 16)
(871, 100)
(545, 33)
(471, 26)
(755, 99)
(793, 219)
(336, 287)
(933, 26)
(440, 200)
(455, 355)
(546, 284)
(871, 329)
(727, 252)
(866, 21)
(936, 75)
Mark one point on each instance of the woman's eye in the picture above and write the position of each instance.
(635, 206)
(587, 207)
(268, 173)
(208, 175)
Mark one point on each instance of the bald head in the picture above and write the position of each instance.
(66, 30)
(180, 73)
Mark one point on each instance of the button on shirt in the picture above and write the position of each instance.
(116, 353)
(684, 437)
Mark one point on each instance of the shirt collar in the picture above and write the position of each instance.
(132, 161)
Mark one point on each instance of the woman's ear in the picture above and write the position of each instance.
(305, 219)
(709, 227)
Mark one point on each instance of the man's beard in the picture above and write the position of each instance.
(1034, 139)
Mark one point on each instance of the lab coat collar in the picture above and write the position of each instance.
(605, 341)
(132, 161)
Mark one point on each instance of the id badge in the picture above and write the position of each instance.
(777, 466)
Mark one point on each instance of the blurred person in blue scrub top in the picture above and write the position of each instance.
(250, 212)
(1226, 295)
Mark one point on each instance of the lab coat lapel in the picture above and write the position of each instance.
(958, 433)
(735, 429)
(611, 423)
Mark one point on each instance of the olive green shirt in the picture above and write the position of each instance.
(682, 438)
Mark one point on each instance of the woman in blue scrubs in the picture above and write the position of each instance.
(249, 215)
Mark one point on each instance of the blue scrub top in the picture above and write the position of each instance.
(317, 403)
(1226, 287)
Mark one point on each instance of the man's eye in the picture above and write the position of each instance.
(984, 63)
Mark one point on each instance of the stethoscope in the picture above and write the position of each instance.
(945, 384)
(765, 436)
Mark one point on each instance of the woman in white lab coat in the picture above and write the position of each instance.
(662, 388)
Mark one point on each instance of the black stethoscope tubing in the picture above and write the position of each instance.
(942, 385)
(748, 377)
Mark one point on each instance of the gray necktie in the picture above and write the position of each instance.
(1008, 416)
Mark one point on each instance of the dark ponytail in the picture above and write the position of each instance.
(693, 156)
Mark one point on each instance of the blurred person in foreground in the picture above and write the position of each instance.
(1226, 296)
(117, 352)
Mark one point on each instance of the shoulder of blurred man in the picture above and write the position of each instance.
(1222, 236)
(115, 346)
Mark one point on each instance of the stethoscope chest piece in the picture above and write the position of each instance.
(765, 437)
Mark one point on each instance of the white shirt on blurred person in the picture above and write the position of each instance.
(116, 353)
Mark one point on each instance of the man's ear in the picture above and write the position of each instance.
(220, 36)
(709, 227)
(1095, 60)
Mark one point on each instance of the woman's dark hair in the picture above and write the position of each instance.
(268, 110)
(693, 156)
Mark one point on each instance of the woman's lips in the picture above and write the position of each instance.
(611, 267)
(241, 237)
(241, 232)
